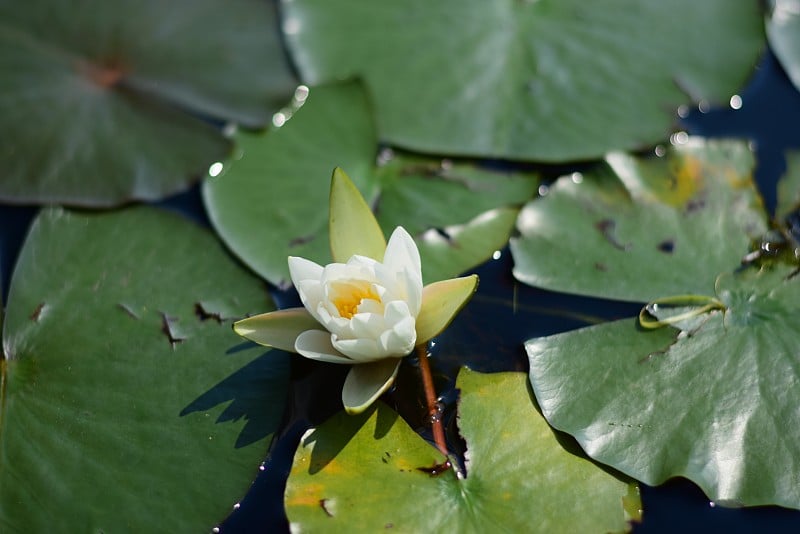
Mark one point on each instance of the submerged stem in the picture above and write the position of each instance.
(430, 398)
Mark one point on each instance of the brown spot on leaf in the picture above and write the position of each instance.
(600, 266)
(608, 227)
(300, 240)
(436, 469)
(37, 312)
(695, 204)
(106, 75)
(685, 181)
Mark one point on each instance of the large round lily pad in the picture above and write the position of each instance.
(372, 472)
(783, 31)
(271, 199)
(99, 101)
(716, 403)
(643, 228)
(128, 402)
(545, 80)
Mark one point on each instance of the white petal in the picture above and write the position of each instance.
(363, 262)
(402, 254)
(395, 312)
(358, 268)
(311, 295)
(400, 339)
(365, 383)
(303, 269)
(335, 324)
(370, 306)
(413, 293)
(316, 345)
(361, 350)
(369, 325)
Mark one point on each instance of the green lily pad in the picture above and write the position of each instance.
(783, 32)
(789, 187)
(100, 102)
(550, 81)
(128, 402)
(716, 404)
(643, 228)
(271, 200)
(372, 472)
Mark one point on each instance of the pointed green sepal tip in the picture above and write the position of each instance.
(366, 382)
(278, 329)
(441, 301)
(353, 228)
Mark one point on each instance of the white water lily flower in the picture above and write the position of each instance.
(368, 309)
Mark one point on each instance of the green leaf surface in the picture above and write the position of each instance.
(550, 81)
(783, 32)
(716, 404)
(372, 472)
(271, 200)
(643, 228)
(789, 187)
(101, 100)
(129, 405)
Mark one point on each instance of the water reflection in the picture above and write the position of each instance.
(215, 169)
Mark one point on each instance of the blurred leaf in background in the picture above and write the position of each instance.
(783, 32)
(548, 81)
(642, 228)
(107, 102)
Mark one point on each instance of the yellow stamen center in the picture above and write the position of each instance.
(347, 296)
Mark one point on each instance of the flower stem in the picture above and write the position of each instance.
(430, 397)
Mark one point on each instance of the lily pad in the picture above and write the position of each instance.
(128, 403)
(783, 32)
(789, 187)
(372, 472)
(643, 228)
(271, 199)
(716, 404)
(101, 101)
(550, 81)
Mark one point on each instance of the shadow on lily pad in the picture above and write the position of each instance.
(253, 393)
(328, 445)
